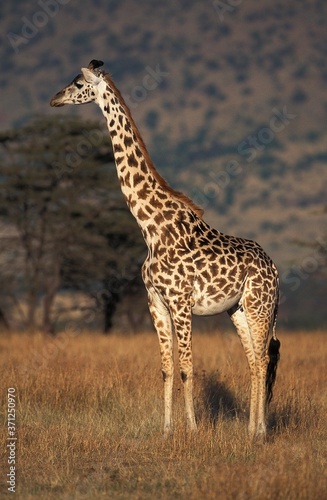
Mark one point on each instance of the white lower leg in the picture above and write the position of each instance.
(261, 421)
(253, 405)
(189, 406)
(168, 396)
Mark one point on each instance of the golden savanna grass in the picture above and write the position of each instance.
(90, 416)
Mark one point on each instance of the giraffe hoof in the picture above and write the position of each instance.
(192, 427)
(258, 437)
(168, 431)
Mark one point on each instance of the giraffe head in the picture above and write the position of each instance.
(83, 88)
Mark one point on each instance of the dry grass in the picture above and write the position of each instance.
(90, 412)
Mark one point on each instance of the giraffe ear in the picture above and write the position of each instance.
(90, 77)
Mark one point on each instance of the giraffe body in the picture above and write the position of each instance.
(191, 268)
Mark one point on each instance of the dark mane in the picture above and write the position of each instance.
(162, 182)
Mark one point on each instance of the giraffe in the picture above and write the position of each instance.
(190, 268)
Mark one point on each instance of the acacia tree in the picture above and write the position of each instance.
(61, 202)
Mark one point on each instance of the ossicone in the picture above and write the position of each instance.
(94, 64)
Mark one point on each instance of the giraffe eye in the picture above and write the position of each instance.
(78, 85)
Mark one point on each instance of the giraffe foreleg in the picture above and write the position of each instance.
(162, 323)
(182, 319)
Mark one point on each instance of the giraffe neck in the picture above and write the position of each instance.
(137, 182)
(147, 194)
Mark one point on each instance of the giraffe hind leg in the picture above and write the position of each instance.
(259, 326)
(238, 317)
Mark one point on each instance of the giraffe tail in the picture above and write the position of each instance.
(273, 354)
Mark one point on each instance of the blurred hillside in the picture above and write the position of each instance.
(230, 100)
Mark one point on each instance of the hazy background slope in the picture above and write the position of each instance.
(230, 100)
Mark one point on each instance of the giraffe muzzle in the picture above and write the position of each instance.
(56, 101)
